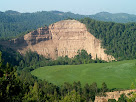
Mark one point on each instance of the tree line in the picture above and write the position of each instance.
(27, 88)
(31, 60)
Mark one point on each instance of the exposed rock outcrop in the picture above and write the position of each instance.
(113, 95)
(60, 39)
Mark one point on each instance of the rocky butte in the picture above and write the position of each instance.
(60, 39)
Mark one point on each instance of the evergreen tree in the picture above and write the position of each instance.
(104, 87)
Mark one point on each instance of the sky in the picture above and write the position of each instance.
(85, 7)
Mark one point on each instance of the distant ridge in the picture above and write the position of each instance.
(102, 16)
(116, 17)
(11, 12)
(13, 23)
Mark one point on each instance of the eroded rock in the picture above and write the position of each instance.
(113, 95)
(60, 39)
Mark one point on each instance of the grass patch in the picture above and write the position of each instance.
(115, 74)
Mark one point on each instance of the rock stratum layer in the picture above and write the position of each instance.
(60, 39)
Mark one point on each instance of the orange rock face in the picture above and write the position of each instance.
(61, 39)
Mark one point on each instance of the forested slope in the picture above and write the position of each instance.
(114, 17)
(119, 39)
(13, 23)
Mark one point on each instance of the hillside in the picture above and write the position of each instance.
(63, 38)
(116, 17)
(118, 39)
(13, 23)
(116, 74)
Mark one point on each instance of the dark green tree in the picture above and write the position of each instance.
(104, 87)
(122, 98)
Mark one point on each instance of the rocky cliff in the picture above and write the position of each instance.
(59, 39)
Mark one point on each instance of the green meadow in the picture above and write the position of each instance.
(116, 74)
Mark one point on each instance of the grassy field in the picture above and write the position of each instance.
(116, 74)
